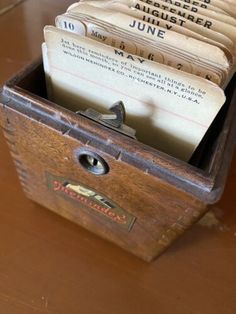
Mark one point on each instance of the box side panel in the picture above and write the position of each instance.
(127, 206)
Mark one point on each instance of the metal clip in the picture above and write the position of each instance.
(115, 120)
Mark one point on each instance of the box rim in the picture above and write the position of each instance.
(208, 186)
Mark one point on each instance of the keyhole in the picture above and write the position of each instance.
(92, 162)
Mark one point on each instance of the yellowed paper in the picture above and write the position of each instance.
(193, 7)
(197, 10)
(204, 21)
(196, 3)
(199, 53)
(170, 21)
(170, 110)
(101, 33)
(224, 5)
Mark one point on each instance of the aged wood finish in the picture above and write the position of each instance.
(165, 195)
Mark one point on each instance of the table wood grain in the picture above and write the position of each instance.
(49, 265)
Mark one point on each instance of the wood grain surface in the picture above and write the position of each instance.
(50, 265)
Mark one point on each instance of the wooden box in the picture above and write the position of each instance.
(111, 184)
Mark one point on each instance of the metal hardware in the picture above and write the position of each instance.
(92, 162)
(115, 120)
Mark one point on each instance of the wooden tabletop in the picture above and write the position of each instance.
(49, 265)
